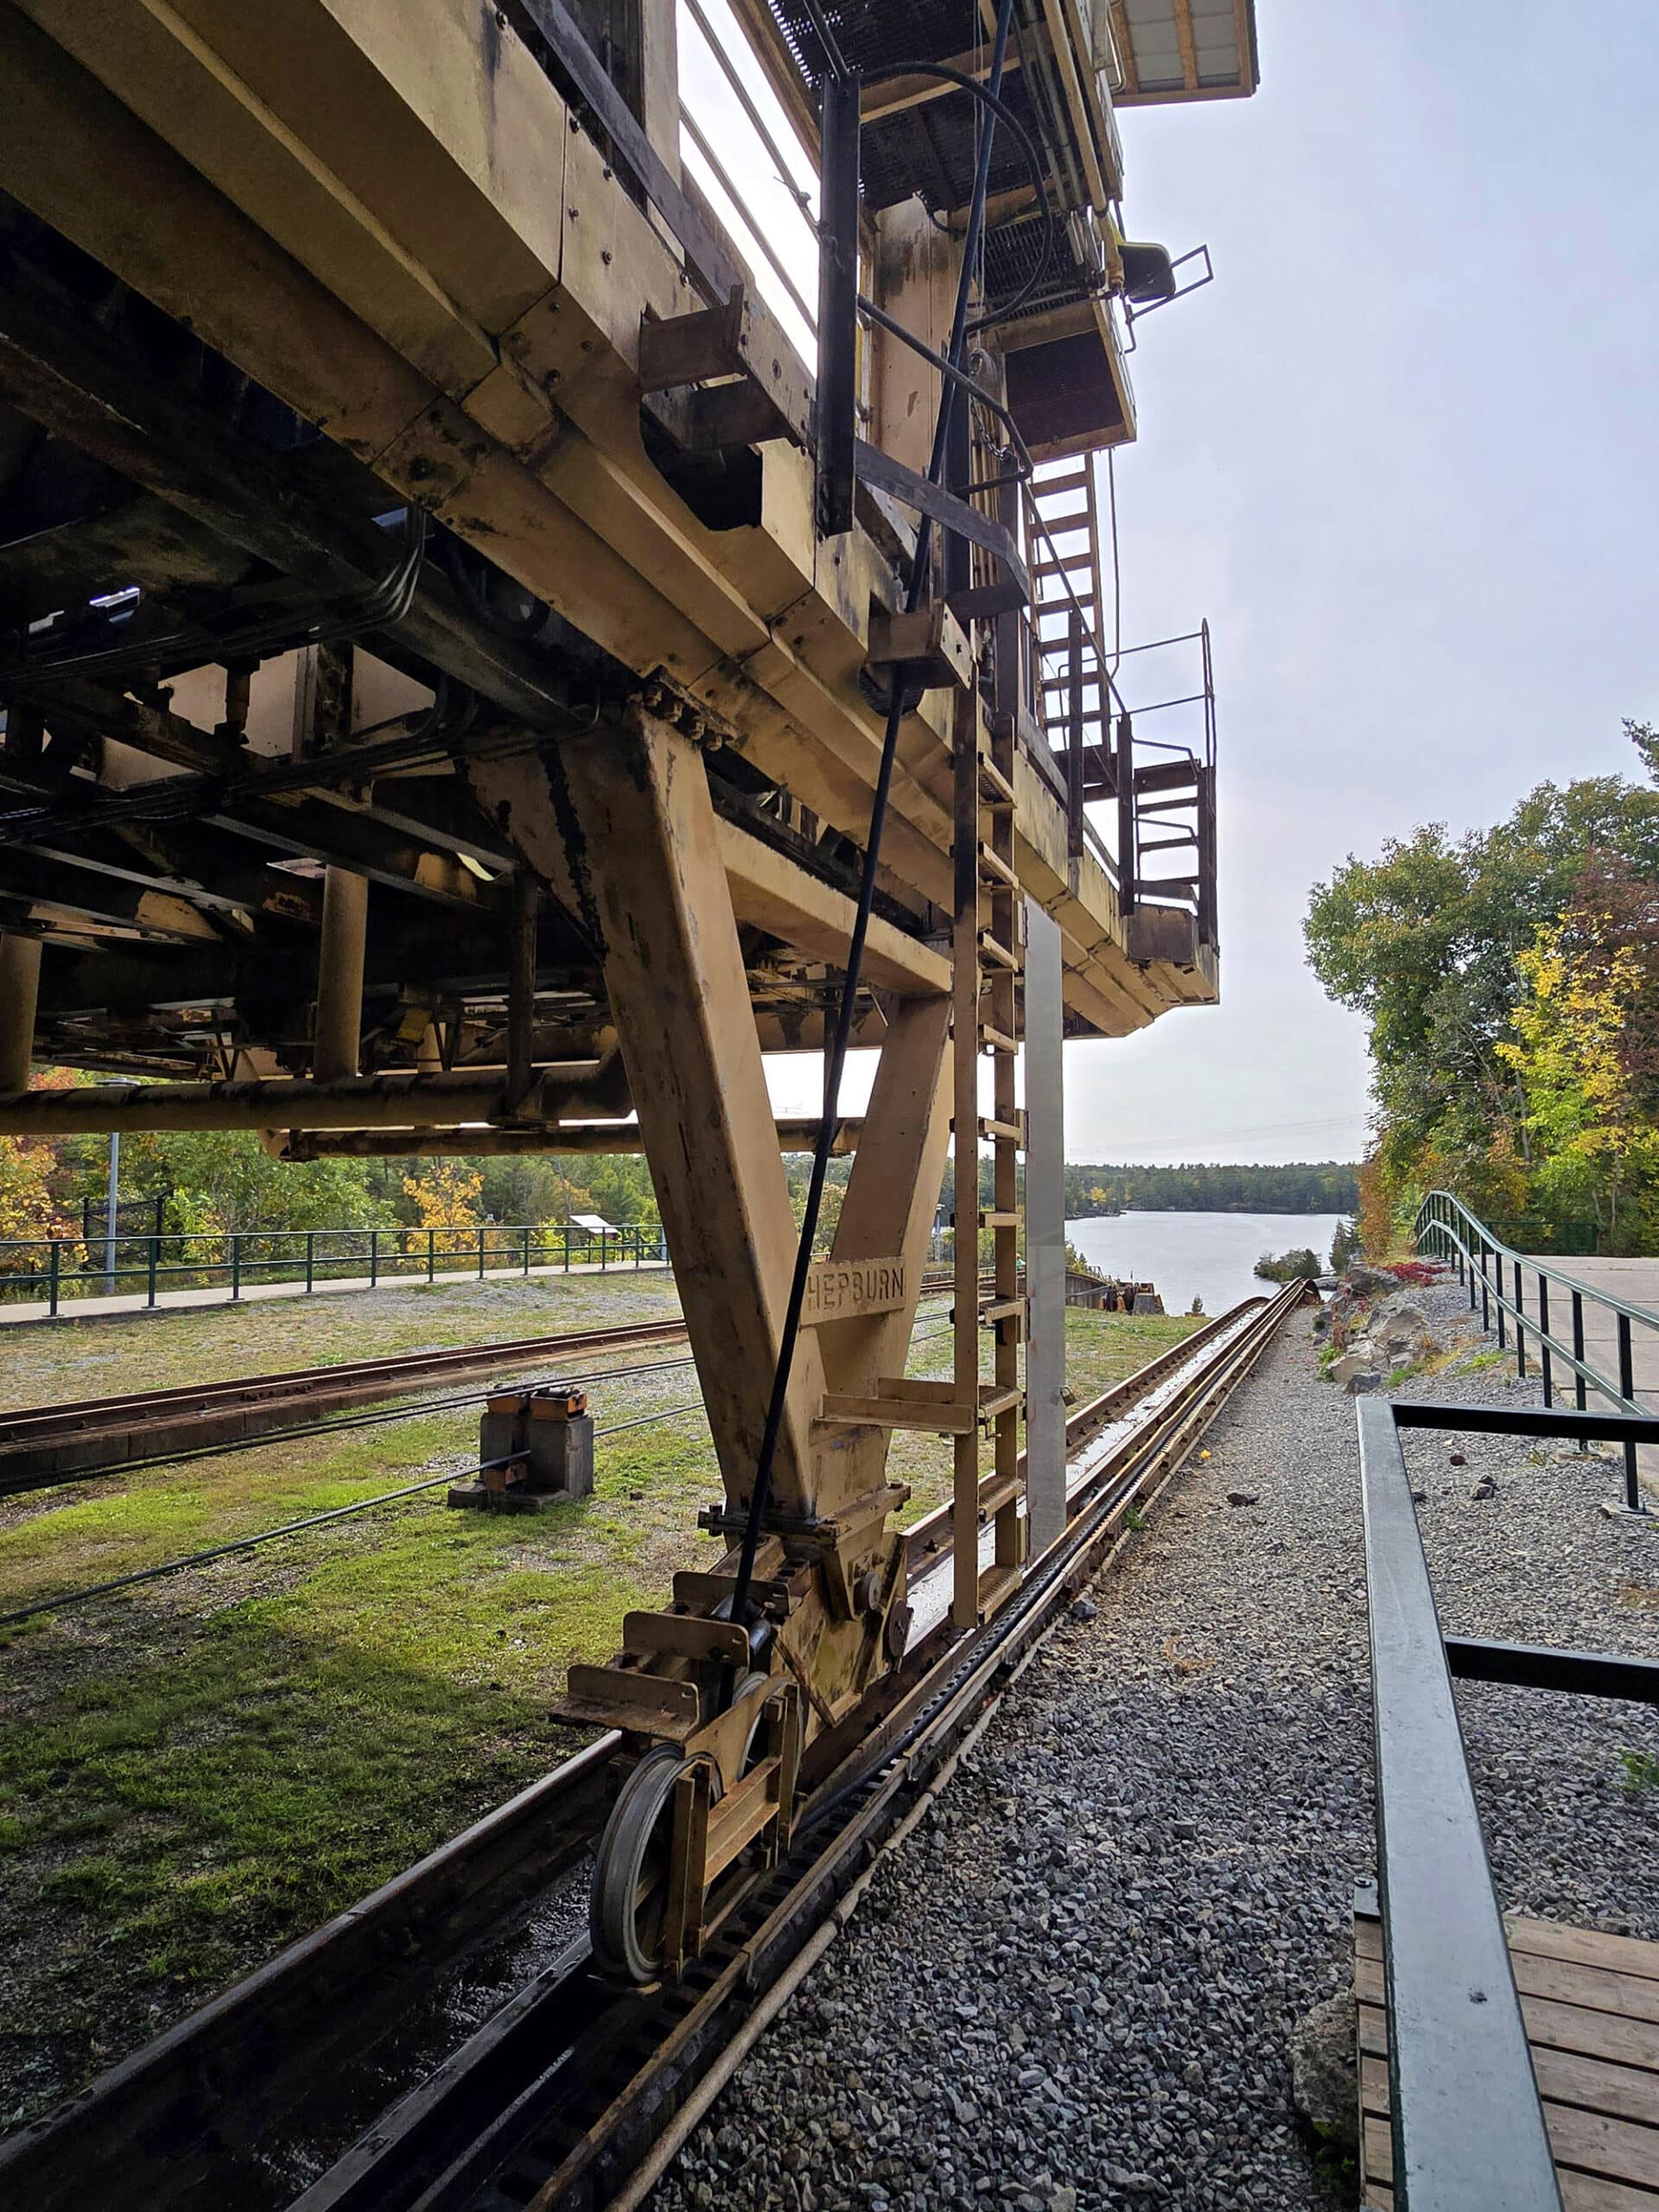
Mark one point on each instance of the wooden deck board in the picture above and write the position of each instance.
(1590, 2003)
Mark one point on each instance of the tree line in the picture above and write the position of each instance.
(1511, 977)
(1318, 1186)
(206, 1184)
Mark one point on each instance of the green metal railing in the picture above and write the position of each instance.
(64, 1269)
(1497, 1274)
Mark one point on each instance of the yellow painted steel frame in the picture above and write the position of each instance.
(390, 218)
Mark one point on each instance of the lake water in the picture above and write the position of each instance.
(1208, 1255)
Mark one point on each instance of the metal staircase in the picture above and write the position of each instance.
(1162, 790)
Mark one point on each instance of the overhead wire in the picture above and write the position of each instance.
(760, 1488)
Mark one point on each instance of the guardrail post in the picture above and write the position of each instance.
(482, 1233)
(431, 1255)
(1520, 1326)
(526, 1248)
(1627, 1390)
(1503, 1319)
(54, 1269)
(566, 1244)
(374, 1259)
(1578, 1394)
(1543, 1337)
(149, 1287)
(310, 1259)
(236, 1266)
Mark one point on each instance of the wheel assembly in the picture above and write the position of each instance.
(628, 1904)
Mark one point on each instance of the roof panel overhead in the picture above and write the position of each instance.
(1184, 49)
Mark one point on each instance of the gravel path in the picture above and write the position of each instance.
(1076, 1987)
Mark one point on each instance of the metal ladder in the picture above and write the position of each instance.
(1069, 510)
(987, 957)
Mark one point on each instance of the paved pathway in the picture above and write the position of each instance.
(1636, 1281)
(99, 1309)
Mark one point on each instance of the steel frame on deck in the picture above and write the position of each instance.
(1467, 2125)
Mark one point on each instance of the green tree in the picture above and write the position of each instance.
(1427, 941)
(1286, 1265)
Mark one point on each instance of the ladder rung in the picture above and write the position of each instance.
(899, 1413)
(993, 1404)
(1000, 956)
(996, 1495)
(997, 1040)
(1169, 844)
(1011, 1132)
(996, 1585)
(1052, 485)
(991, 1220)
(994, 869)
(1001, 1309)
(992, 784)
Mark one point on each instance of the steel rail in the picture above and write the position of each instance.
(192, 2115)
(95, 1436)
(42, 1444)
(556, 2103)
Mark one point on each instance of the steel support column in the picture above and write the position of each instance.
(1044, 1233)
(20, 987)
(339, 976)
(656, 895)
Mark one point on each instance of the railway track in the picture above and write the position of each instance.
(569, 2094)
(43, 1445)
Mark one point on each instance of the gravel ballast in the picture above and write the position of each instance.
(1076, 1983)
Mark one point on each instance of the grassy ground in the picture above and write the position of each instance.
(193, 1771)
(41, 1361)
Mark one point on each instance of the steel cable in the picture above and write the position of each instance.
(760, 1489)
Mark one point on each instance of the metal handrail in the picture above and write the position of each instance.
(1446, 1227)
(394, 1252)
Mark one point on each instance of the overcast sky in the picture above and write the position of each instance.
(1403, 455)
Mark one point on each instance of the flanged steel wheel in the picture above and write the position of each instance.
(629, 1901)
(628, 1905)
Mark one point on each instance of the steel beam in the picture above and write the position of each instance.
(1044, 1233)
(893, 1191)
(1529, 1420)
(601, 1139)
(654, 894)
(584, 1088)
(1468, 2128)
(20, 990)
(835, 407)
(1541, 1667)
(338, 1034)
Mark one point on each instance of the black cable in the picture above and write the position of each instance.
(384, 604)
(943, 422)
(1004, 115)
(458, 562)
